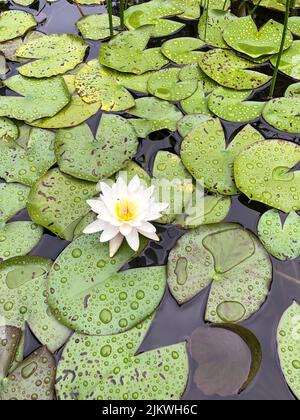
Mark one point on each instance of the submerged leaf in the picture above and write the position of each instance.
(96, 27)
(15, 23)
(182, 50)
(12, 199)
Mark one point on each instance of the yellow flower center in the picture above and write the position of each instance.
(126, 210)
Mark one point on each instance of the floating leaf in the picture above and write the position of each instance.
(55, 54)
(121, 373)
(288, 337)
(264, 172)
(243, 36)
(211, 26)
(167, 84)
(224, 358)
(232, 259)
(281, 241)
(24, 3)
(81, 155)
(283, 114)
(10, 47)
(18, 238)
(155, 115)
(182, 50)
(9, 340)
(12, 199)
(96, 27)
(192, 72)
(289, 62)
(275, 4)
(41, 98)
(231, 105)
(126, 53)
(206, 156)
(23, 286)
(192, 9)
(101, 300)
(189, 122)
(293, 91)
(216, 4)
(15, 23)
(231, 71)
(294, 25)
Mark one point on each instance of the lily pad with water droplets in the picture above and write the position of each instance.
(264, 172)
(288, 336)
(294, 25)
(15, 23)
(283, 113)
(289, 61)
(23, 286)
(229, 258)
(197, 103)
(243, 36)
(182, 50)
(10, 47)
(155, 114)
(192, 9)
(81, 155)
(54, 54)
(211, 26)
(12, 200)
(216, 4)
(192, 72)
(127, 53)
(97, 299)
(232, 105)
(231, 71)
(96, 27)
(189, 122)
(123, 374)
(280, 240)
(207, 157)
(10, 337)
(39, 98)
(33, 379)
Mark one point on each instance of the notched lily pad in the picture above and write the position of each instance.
(47, 204)
(182, 50)
(12, 200)
(96, 27)
(189, 122)
(280, 240)
(283, 113)
(290, 61)
(264, 172)
(10, 338)
(15, 23)
(211, 26)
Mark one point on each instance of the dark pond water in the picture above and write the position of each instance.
(174, 323)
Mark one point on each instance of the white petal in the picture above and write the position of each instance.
(125, 229)
(149, 235)
(133, 240)
(121, 187)
(147, 227)
(109, 233)
(94, 227)
(158, 207)
(134, 184)
(96, 205)
(105, 189)
(115, 244)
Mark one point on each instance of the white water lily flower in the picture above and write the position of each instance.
(124, 211)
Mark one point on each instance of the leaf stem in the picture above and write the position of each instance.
(255, 7)
(79, 7)
(110, 17)
(122, 8)
(206, 19)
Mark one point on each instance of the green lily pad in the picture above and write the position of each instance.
(40, 98)
(55, 54)
(294, 25)
(231, 71)
(206, 156)
(81, 155)
(283, 114)
(289, 61)
(12, 200)
(33, 379)
(189, 122)
(9, 340)
(232, 260)
(123, 374)
(197, 103)
(288, 336)
(126, 53)
(155, 114)
(15, 23)
(24, 3)
(182, 50)
(154, 13)
(10, 47)
(191, 8)
(243, 36)
(281, 241)
(96, 27)
(18, 239)
(275, 4)
(167, 84)
(23, 285)
(192, 72)
(264, 173)
(26, 158)
(101, 300)
(293, 91)
(216, 4)
(211, 26)
(232, 105)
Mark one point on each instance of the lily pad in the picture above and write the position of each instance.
(231, 105)
(288, 337)
(23, 285)
(192, 72)
(12, 200)
(229, 258)
(40, 98)
(24, 3)
(283, 114)
(275, 4)
(264, 172)
(289, 61)
(243, 36)
(15, 23)
(167, 84)
(101, 300)
(96, 27)
(281, 241)
(10, 47)
(9, 340)
(231, 71)
(207, 157)
(81, 155)
(192, 9)
(189, 122)
(126, 53)
(294, 25)
(293, 91)
(216, 4)
(18, 238)
(55, 54)
(25, 159)
(123, 374)
(155, 114)
(211, 26)
(182, 50)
